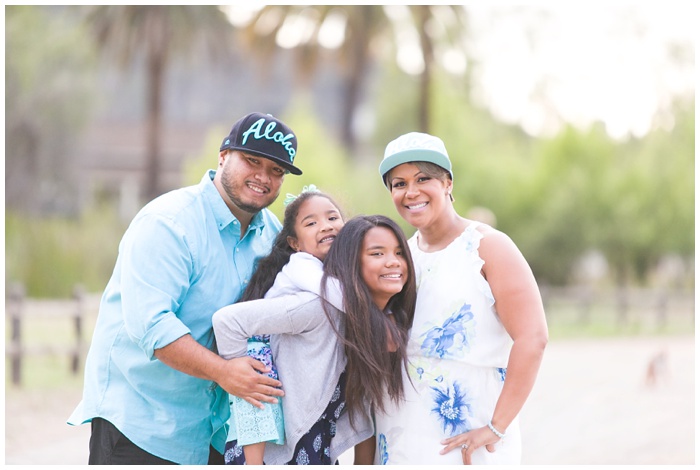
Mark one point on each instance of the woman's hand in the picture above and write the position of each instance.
(469, 442)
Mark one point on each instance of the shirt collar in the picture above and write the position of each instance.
(257, 222)
(222, 213)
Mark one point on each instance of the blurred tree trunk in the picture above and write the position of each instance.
(355, 73)
(157, 60)
(363, 24)
(426, 75)
(159, 32)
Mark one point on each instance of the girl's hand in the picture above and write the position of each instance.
(469, 442)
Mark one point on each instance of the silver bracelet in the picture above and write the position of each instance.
(496, 432)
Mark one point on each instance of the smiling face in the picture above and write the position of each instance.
(421, 199)
(317, 224)
(383, 265)
(249, 182)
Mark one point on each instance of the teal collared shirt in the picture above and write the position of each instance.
(181, 259)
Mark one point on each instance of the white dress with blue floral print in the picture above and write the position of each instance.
(458, 352)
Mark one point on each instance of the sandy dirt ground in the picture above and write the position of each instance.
(591, 405)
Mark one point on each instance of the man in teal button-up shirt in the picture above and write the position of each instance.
(151, 374)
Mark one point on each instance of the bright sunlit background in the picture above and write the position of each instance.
(544, 64)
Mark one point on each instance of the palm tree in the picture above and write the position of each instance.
(361, 23)
(159, 33)
(438, 27)
(363, 26)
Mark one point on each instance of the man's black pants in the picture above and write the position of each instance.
(108, 446)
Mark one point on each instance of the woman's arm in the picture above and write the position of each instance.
(519, 307)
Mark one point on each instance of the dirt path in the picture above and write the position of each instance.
(590, 406)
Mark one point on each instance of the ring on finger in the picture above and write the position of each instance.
(465, 446)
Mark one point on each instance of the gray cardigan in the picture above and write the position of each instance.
(309, 358)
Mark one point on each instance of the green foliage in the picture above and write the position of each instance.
(489, 159)
(648, 204)
(51, 255)
(591, 192)
(49, 88)
(396, 105)
(559, 197)
(49, 54)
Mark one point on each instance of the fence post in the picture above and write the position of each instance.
(622, 306)
(79, 297)
(585, 297)
(662, 310)
(16, 300)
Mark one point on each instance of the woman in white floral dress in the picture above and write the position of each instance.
(479, 330)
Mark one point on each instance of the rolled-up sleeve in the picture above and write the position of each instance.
(155, 278)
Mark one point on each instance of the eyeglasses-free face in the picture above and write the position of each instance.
(383, 264)
(317, 224)
(420, 199)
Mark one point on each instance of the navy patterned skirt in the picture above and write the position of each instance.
(314, 447)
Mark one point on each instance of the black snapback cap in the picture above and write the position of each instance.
(265, 136)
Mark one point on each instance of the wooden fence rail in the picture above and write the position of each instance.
(657, 307)
(574, 305)
(17, 350)
(14, 310)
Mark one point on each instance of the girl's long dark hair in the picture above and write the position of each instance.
(371, 368)
(267, 267)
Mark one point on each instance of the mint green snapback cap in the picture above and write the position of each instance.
(415, 147)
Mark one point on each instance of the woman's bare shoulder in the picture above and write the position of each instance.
(495, 243)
